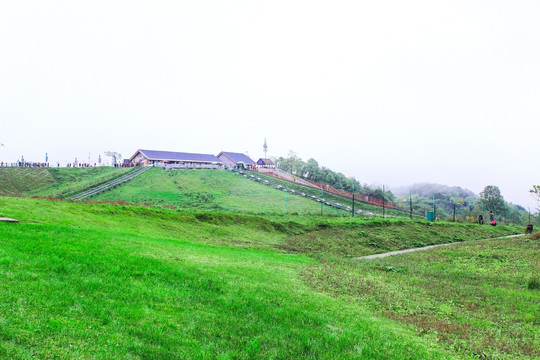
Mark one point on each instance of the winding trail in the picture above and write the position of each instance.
(383, 255)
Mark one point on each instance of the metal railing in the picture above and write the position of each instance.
(108, 185)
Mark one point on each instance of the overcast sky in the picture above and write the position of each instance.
(390, 92)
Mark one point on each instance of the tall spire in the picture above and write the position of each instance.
(265, 147)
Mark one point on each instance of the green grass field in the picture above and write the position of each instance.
(368, 236)
(238, 270)
(474, 297)
(211, 190)
(106, 281)
(102, 281)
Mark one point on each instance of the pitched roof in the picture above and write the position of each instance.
(237, 157)
(263, 161)
(178, 156)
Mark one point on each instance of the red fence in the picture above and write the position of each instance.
(332, 190)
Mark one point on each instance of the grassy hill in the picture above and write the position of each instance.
(54, 181)
(214, 190)
(206, 190)
(226, 191)
(366, 209)
(15, 181)
(71, 180)
(103, 281)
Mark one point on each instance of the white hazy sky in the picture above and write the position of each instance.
(390, 92)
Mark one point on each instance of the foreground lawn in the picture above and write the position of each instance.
(91, 281)
(475, 297)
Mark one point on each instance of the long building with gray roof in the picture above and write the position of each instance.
(146, 157)
(234, 159)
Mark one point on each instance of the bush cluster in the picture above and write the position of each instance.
(533, 283)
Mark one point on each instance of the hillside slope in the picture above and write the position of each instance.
(70, 180)
(15, 181)
(362, 209)
(53, 181)
(215, 190)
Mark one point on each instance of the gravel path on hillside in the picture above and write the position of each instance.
(383, 255)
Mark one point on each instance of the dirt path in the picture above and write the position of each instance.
(378, 256)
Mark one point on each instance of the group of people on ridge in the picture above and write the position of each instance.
(491, 219)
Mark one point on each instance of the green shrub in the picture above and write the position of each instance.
(534, 283)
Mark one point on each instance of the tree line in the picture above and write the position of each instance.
(311, 170)
(467, 204)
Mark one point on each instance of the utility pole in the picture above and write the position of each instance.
(286, 201)
(322, 198)
(383, 201)
(410, 201)
(434, 213)
(352, 214)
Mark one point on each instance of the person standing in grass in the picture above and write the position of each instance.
(492, 218)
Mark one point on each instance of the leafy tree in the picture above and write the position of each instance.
(115, 157)
(330, 178)
(311, 169)
(492, 199)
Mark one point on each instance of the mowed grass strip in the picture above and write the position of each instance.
(474, 297)
(211, 190)
(349, 238)
(117, 282)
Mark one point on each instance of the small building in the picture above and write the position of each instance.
(231, 159)
(171, 159)
(266, 163)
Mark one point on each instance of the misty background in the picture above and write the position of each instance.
(388, 92)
